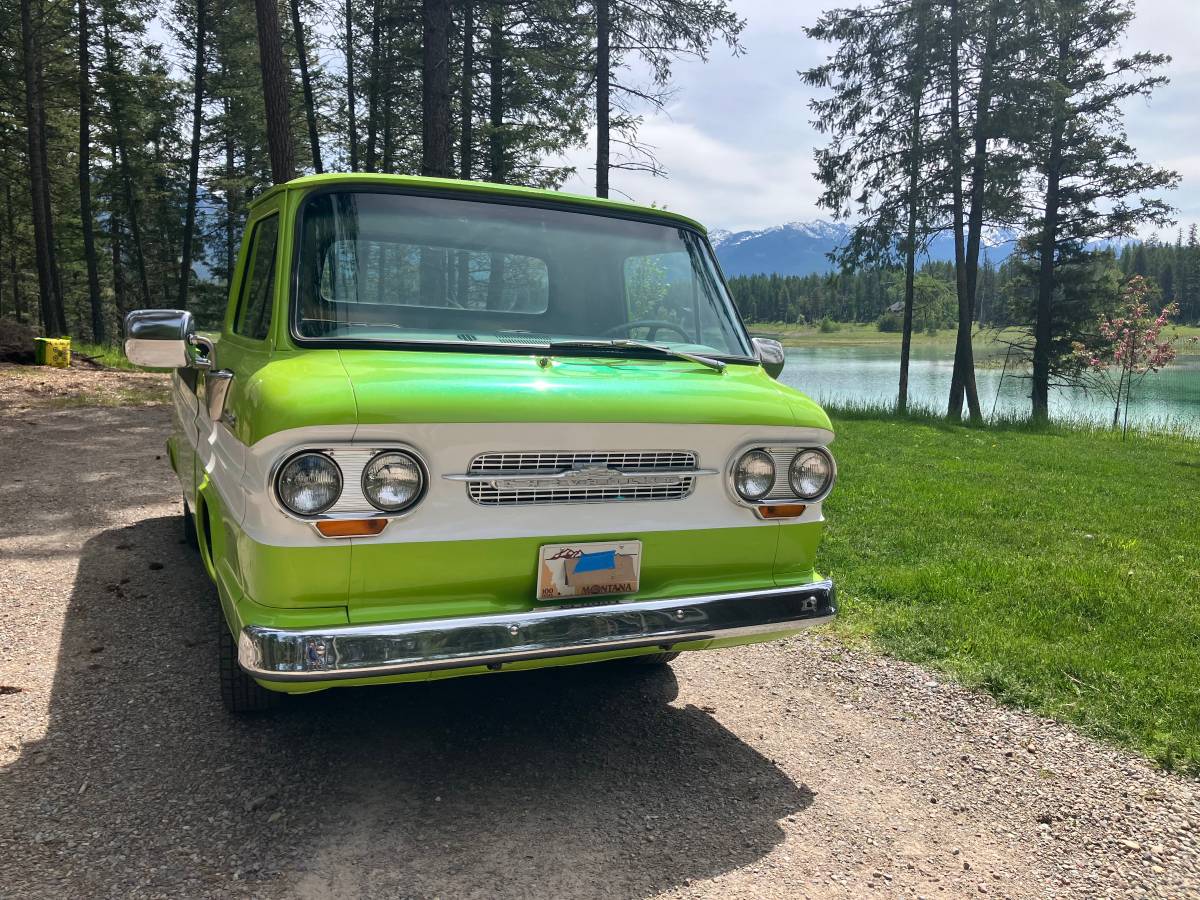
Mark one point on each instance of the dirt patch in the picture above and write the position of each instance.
(794, 769)
(25, 388)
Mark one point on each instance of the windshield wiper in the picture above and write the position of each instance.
(620, 343)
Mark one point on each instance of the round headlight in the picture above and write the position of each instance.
(810, 474)
(393, 481)
(754, 475)
(309, 484)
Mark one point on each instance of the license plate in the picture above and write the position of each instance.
(588, 570)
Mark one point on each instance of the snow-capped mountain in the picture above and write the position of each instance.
(802, 248)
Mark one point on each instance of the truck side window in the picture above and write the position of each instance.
(253, 318)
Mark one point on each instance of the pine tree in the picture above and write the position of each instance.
(1094, 186)
(276, 89)
(877, 166)
(655, 33)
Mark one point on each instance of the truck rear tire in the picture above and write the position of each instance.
(653, 659)
(189, 527)
(239, 692)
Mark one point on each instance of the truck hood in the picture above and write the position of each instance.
(394, 387)
(385, 387)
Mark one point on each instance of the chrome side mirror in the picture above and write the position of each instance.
(166, 339)
(771, 354)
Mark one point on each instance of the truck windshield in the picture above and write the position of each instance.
(399, 268)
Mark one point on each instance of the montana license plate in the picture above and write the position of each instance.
(587, 570)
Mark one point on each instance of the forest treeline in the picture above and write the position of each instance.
(1004, 296)
(953, 117)
(133, 135)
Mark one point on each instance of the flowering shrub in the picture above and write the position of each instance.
(1129, 348)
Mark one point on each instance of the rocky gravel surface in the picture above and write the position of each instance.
(794, 769)
(25, 388)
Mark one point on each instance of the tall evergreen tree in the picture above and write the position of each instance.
(50, 295)
(186, 256)
(655, 33)
(878, 166)
(1093, 186)
(276, 88)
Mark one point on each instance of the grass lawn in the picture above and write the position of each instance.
(1060, 570)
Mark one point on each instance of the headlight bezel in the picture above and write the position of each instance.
(277, 479)
(418, 495)
(352, 460)
(783, 454)
(826, 488)
(736, 467)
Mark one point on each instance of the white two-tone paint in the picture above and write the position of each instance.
(242, 476)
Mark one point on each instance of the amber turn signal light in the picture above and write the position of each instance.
(781, 511)
(339, 528)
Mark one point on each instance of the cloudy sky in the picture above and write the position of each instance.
(738, 145)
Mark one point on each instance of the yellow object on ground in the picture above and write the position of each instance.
(52, 352)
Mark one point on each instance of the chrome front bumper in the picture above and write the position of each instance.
(364, 651)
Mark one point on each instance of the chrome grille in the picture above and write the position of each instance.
(586, 476)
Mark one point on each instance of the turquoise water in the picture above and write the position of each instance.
(1169, 399)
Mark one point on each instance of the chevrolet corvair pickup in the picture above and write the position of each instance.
(450, 428)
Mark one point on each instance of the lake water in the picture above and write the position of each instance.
(1169, 399)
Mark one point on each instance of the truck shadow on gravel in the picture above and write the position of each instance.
(579, 782)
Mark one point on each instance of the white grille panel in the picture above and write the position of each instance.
(509, 492)
(557, 461)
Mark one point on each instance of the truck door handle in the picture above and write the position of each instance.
(216, 390)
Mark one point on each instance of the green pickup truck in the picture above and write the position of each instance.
(450, 428)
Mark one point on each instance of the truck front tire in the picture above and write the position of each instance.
(239, 692)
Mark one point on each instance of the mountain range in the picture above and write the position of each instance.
(802, 248)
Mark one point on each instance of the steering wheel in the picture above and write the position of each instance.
(653, 324)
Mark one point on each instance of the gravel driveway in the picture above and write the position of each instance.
(795, 769)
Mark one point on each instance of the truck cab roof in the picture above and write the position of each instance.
(478, 189)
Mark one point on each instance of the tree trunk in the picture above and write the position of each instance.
(6, 241)
(1047, 246)
(86, 222)
(275, 77)
(496, 155)
(910, 250)
(1045, 283)
(49, 288)
(189, 219)
(954, 408)
(231, 205)
(388, 98)
(982, 131)
(603, 104)
(435, 89)
(352, 121)
(374, 77)
(17, 297)
(310, 112)
(118, 271)
(466, 95)
(121, 154)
